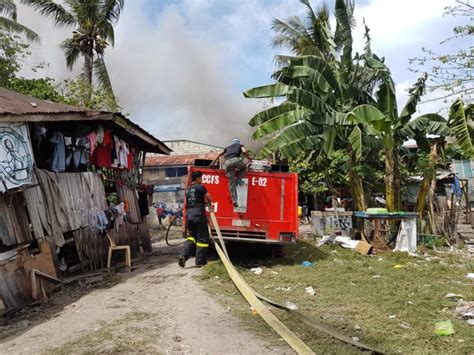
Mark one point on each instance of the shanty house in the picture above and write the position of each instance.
(68, 176)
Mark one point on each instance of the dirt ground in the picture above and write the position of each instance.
(158, 308)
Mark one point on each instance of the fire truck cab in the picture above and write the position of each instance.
(267, 210)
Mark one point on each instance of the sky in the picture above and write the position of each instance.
(179, 67)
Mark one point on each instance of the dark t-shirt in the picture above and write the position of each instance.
(195, 203)
(233, 151)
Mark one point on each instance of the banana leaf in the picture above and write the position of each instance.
(459, 126)
(271, 113)
(355, 139)
(279, 122)
(267, 91)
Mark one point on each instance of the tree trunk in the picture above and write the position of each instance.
(88, 65)
(397, 180)
(389, 179)
(357, 189)
(426, 182)
(422, 194)
(431, 212)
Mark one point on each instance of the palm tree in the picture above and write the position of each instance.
(304, 37)
(93, 22)
(8, 21)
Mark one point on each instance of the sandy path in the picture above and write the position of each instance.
(162, 309)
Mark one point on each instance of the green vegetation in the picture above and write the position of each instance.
(354, 291)
(93, 23)
(14, 52)
(332, 100)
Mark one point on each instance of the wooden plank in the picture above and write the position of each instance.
(45, 276)
(14, 224)
(36, 275)
(35, 201)
(23, 224)
(44, 261)
(33, 208)
(129, 195)
(7, 222)
(14, 286)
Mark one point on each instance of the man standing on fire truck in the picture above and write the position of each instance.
(197, 241)
(234, 163)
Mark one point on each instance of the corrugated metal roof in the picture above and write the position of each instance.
(178, 160)
(16, 107)
(14, 103)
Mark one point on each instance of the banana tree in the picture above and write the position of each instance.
(381, 125)
(396, 128)
(457, 127)
(311, 117)
(316, 91)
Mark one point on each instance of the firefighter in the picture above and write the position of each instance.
(197, 240)
(234, 164)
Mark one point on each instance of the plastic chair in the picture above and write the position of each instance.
(112, 248)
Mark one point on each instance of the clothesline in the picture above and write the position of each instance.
(100, 148)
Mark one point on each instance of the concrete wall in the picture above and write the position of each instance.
(323, 223)
(189, 147)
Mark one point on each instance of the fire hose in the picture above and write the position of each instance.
(172, 222)
(254, 299)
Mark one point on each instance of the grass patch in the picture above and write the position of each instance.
(358, 295)
(125, 335)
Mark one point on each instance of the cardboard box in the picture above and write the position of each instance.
(363, 248)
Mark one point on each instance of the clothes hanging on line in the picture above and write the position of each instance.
(58, 160)
(77, 156)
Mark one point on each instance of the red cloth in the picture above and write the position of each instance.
(103, 153)
(103, 157)
(108, 138)
(131, 153)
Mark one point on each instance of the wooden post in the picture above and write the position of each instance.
(334, 205)
(431, 213)
(465, 186)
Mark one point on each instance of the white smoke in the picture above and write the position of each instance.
(179, 67)
(175, 71)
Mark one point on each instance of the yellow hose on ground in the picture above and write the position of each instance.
(253, 298)
(296, 343)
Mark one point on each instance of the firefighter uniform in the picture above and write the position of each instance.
(197, 238)
(233, 163)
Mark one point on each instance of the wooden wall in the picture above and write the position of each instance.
(56, 204)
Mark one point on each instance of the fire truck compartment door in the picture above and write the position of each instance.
(242, 196)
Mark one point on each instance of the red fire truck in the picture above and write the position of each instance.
(267, 209)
